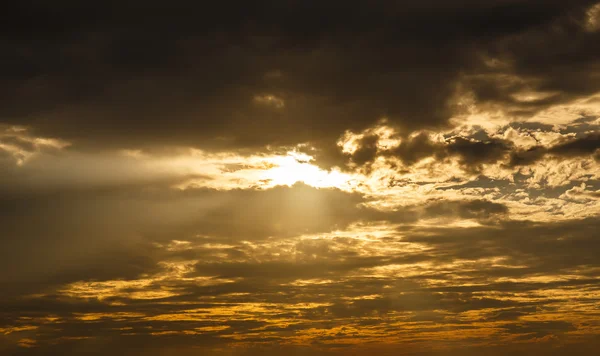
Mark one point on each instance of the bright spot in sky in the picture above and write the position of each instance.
(294, 168)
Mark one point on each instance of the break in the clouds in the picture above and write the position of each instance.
(323, 178)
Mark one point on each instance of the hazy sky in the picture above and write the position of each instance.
(300, 177)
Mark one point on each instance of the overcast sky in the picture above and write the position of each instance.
(300, 177)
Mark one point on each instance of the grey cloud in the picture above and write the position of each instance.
(367, 150)
(475, 153)
(415, 148)
(479, 209)
(545, 247)
(510, 314)
(114, 77)
(471, 153)
(526, 157)
(540, 328)
(581, 146)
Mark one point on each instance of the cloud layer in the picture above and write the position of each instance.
(300, 177)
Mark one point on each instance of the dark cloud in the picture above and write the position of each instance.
(474, 209)
(549, 247)
(367, 150)
(526, 157)
(540, 328)
(582, 146)
(472, 153)
(119, 75)
(415, 148)
(475, 153)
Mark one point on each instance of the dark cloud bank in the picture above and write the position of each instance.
(183, 73)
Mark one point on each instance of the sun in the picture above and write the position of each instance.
(295, 167)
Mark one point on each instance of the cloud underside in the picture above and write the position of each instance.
(303, 178)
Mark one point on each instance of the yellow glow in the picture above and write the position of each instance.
(593, 21)
(295, 168)
(531, 96)
(270, 100)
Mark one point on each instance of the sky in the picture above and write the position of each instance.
(300, 177)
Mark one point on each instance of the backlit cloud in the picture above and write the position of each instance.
(306, 178)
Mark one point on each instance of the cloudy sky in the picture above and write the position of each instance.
(300, 177)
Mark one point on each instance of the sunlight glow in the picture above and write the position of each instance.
(295, 168)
